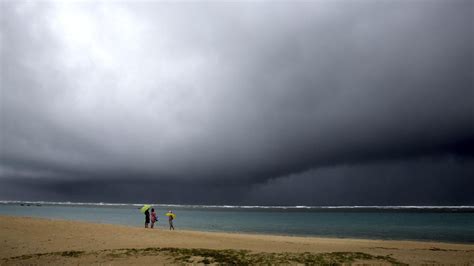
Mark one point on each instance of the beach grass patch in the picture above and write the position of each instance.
(224, 256)
(244, 257)
(72, 253)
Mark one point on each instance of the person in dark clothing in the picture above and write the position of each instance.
(147, 218)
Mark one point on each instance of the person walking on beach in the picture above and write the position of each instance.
(147, 218)
(153, 217)
(170, 219)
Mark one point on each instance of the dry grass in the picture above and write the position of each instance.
(219, 257)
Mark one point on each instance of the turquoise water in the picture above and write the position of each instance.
(449, 224)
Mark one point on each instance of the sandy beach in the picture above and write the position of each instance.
(45, 241)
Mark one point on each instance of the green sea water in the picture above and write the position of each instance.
(448, 224)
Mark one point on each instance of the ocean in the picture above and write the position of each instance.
(427, 223)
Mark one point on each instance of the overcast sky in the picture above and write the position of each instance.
(278, 103)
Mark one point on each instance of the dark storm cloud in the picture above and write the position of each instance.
(440, 181)
(231, 93)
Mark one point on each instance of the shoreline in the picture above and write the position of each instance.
(160, 227)
(242, 233)
(40, 236)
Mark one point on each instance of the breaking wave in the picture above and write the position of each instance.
(303, 207)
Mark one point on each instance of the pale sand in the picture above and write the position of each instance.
(25, 236)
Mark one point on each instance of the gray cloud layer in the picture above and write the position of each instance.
(233, 94)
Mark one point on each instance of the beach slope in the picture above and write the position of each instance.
(45, 241)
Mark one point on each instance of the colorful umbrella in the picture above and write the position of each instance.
(145, 207)
(171, 214)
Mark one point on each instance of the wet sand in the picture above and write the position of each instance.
(45, 241)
